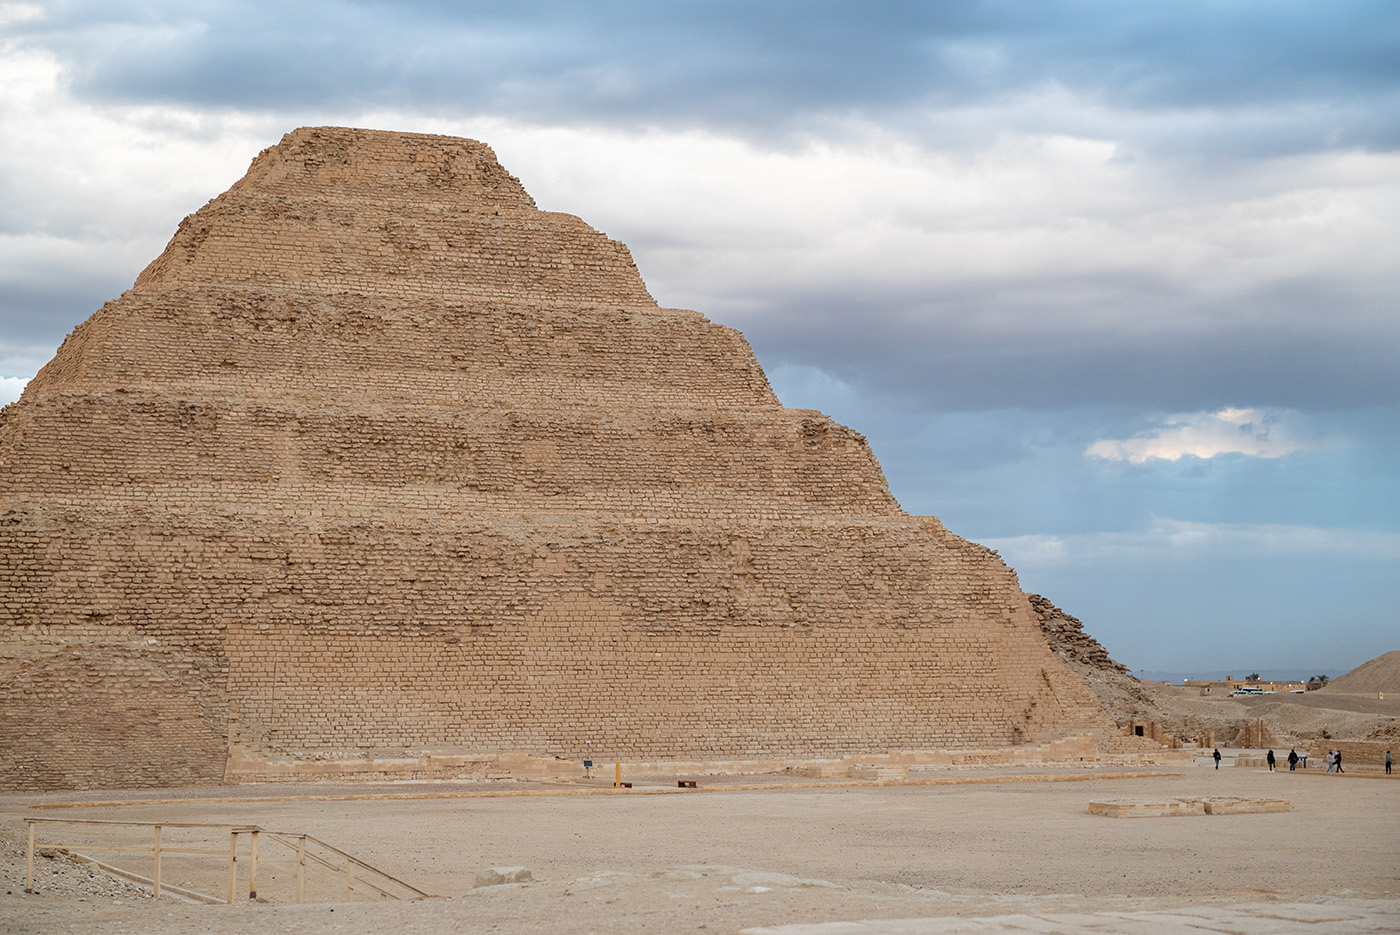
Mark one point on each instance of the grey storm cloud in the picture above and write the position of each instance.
(1317, 347)
(754, 67)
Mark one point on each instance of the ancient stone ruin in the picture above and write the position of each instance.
(1068, 639)
(379, 463)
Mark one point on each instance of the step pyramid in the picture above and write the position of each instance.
(378, 456)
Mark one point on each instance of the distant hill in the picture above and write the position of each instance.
(1381, 674)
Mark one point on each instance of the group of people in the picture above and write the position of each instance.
(1293, 759)
(1334, 760)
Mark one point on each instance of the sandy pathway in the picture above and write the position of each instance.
(725, 860)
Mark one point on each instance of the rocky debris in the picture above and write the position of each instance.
(1067, 638)
(59, 874)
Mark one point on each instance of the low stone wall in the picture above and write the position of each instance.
(906, 765)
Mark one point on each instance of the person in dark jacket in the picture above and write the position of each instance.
(1271, 760)
(1217, 757)
(1292, 760)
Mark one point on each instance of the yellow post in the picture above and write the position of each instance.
(232, 859)
(253, 865)
(155, 874)
(29, 873)
(301, 869)
(617, 777)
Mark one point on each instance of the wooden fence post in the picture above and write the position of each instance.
(155, 874)
(29, 873)
(253, 865)
(301, 869)
(232, 859)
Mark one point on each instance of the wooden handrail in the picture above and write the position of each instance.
(137, 824)
(305, 859)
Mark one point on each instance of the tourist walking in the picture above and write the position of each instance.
(1331, 761)
(1292, 760)
(1387, 762)
(1337, 758)
(1271, 760)
(1217, 757)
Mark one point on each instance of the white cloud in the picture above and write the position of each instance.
(716, 221)
(1022, 239)
(11, 387)
(20, 13)
(72, 171)
(1169, 540)
(1252, 432)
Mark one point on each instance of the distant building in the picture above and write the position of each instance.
(1232, 686)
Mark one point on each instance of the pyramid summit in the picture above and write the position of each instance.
(401, 215)
(378, 463)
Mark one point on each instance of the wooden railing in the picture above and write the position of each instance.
(315, 870)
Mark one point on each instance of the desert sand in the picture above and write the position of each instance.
(727, 858)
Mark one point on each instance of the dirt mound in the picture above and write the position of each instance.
(1381, 674)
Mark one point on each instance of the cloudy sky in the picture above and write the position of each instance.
(1111, 287)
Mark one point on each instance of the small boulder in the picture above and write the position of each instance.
(495, 876)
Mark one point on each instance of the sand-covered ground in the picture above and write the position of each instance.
(723, 859)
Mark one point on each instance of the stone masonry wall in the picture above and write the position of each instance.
(93, 714)
(377, 455)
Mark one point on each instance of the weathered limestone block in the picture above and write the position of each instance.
(1205, 805)
(880, 772)
(1128, 808)
(1243, 805)
(496, 876)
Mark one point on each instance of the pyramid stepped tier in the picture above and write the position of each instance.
(218, 342)
(500, 410)
(403, 216)
(378, 456)
(540, 633)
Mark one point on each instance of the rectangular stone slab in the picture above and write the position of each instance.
(1229, 805)
(1124, 808)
